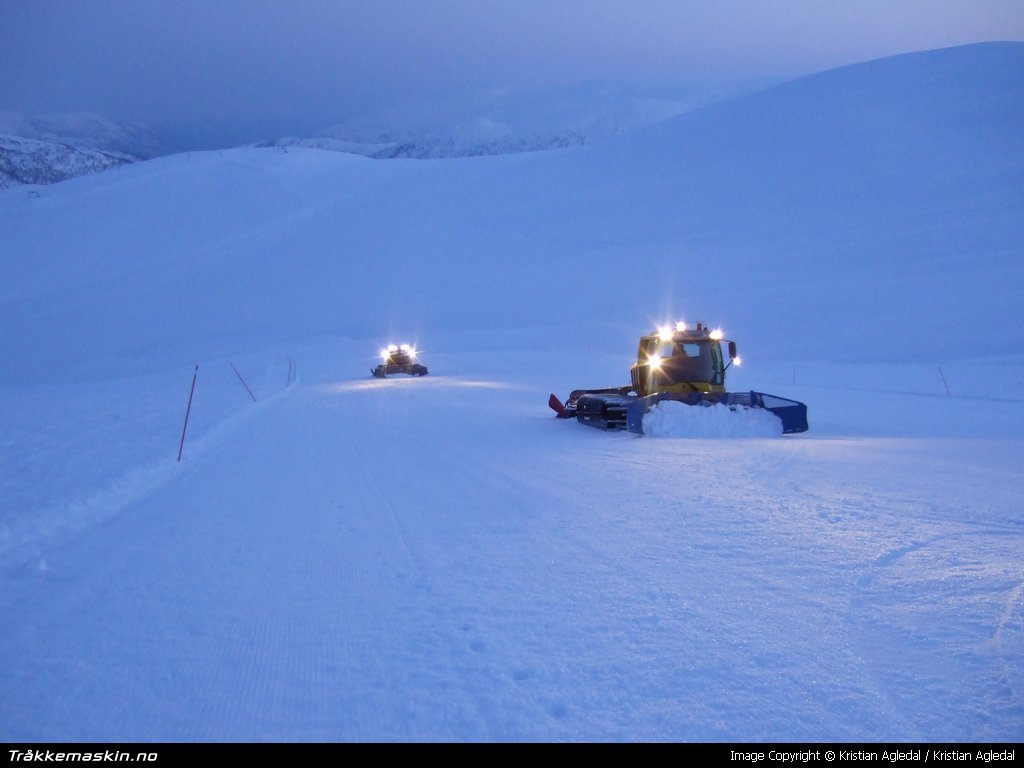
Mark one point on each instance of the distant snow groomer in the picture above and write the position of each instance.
(675, 363)
(398, 358)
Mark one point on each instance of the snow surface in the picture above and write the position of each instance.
(342, 558)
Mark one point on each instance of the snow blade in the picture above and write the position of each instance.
(791, 413)
(414, 369)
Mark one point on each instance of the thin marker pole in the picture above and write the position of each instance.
(188, 410)
(243, 382)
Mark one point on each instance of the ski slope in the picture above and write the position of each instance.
(439, 559)
(342, 558)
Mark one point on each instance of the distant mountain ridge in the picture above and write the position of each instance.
(85, 131)
(438, 146)
(44, 150)
(30, 161)
(514, 121)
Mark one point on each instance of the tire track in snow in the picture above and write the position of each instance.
(382, 498)
(455, 540)
(1008, 634)
(479, 532)
(943, 564)
(378, 431)
(640, 575)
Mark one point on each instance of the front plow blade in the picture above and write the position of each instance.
(791, 413)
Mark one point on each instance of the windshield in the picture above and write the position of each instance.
(691, 361)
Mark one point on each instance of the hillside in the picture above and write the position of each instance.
(758, 214)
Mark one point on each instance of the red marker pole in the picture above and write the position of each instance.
(188, 410)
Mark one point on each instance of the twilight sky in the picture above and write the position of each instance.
(295, 64)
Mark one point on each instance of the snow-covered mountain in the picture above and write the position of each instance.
(510, 121)
(29, 161)
(340, 558)
(483, 138)
(84, 130)
(45, 150)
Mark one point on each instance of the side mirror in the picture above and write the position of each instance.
(732, 350)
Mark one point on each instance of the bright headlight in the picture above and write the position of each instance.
(665, 333)
(654, 361)
(718, 334)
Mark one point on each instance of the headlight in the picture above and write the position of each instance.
(655, 362)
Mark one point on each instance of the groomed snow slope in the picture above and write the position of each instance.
(340, 558)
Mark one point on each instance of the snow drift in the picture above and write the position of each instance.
(674, 419)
